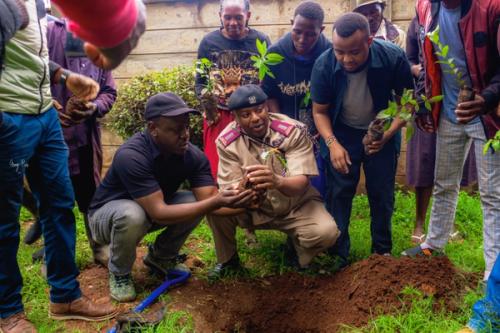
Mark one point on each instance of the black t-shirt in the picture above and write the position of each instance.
(139, 169)
(231, 59)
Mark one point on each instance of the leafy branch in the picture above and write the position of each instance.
(265, 59)
(306, 100)
(405, 109)
(203, 67)
(493, 143)
(442, 51)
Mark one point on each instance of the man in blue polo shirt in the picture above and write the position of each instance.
(350, 84)
(140, 194)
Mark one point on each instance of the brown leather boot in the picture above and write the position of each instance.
(17, 323)
(82, 309)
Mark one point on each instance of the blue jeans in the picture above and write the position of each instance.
(486, 311)
(380, 172)
(38, 139)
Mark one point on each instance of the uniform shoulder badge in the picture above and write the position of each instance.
(282, 127)
(229, 137)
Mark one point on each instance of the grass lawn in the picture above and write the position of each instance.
(267, 259)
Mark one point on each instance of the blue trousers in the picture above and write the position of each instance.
(486, 311)
(380, 172)
(319, 181)
(38, 139)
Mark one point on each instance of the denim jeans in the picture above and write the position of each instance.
(38, 139)
(123, 223)
(380, 172)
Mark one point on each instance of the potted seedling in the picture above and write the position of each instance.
(263, 60)
(403, 107)
(208, 99)
(466, 93)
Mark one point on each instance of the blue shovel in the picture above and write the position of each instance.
(174, 277)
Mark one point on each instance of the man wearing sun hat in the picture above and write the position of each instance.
(140, 194)
(272, 154)
(380, 27)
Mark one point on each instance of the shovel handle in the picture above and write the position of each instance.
(174, 277)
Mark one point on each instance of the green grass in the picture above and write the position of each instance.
(267, 259)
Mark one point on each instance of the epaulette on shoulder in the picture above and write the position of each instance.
(229, 137)
(282, 127)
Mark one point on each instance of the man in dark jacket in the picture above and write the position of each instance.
(350, 85)
(289, 90)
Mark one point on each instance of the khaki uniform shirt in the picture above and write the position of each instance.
(291, 154)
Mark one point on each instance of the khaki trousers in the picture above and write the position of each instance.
(310, 226)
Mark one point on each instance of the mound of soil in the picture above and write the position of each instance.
(296, 303)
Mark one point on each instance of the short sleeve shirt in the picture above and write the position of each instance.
(139, 169)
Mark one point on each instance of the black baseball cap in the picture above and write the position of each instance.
(246, 96)
(166, 105)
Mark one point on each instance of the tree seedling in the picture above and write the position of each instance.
(466, 93)
(208, 99)
(265, 59)
(403, 107)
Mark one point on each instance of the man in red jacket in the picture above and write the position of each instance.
(473, 48)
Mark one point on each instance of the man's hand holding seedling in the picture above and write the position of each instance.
(467, 111)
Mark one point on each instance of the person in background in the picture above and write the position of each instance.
(289, 90)
(350, 84)
(380, 27)
(421, 148)
(229, 48)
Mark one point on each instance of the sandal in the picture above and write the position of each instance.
(418, 239)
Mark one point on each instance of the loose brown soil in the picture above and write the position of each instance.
(298, 303)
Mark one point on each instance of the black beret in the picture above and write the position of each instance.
(246, 96)
(166, 105)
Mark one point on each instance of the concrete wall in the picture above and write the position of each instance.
(175, 29)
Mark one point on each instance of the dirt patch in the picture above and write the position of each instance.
(296, 303)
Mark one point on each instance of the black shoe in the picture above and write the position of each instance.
(33, 234)
(290, 255)
(232, 267)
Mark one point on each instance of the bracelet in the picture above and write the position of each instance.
(331, 139)
(64, 76)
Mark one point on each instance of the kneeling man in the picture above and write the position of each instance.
(140, 194)
(271, 154)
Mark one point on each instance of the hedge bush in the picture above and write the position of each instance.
(127, 114)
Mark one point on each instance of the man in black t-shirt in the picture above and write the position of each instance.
(140, 194)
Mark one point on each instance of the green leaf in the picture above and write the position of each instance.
(387, 125)
(445, 50)
(254, 58)
(410, 130)
(262, 72)
(428, 105)
(383, 115)
(269, 73)
(261, 47)
(275, 57)
(487, 146)
(435, 99)
(496, 145)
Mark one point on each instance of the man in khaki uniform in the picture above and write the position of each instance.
(274, 156)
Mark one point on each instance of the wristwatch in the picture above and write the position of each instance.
(331, 139)
(64, 76)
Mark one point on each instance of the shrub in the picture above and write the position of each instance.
(127, 115)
